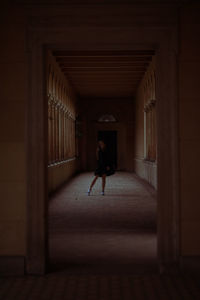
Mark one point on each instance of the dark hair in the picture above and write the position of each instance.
(104, 147)
(100, 140)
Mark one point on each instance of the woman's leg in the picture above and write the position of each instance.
(93, 182)
(103, 183)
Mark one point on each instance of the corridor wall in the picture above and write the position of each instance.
(144, 154)
(61, 126)
(13, 179)
(189, 136)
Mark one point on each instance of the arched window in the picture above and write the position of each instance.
(107, 118)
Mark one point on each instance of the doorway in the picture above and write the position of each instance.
(168, 187)
(110, 139)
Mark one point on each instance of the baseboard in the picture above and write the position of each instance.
(12, 265)
(190, 263)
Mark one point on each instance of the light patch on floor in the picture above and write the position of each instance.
(118, 228)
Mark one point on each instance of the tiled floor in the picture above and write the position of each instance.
(102, 248)
(96, 230)
(101, 287)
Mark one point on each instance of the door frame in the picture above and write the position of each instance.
(164, 41)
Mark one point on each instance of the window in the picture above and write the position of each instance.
(107, 118)
(61, 116)
(150, 140)
(150, 124)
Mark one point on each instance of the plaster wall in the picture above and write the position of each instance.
(60, 173)
(189, 124)
(13, 100)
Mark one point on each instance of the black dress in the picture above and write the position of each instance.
(103, 162)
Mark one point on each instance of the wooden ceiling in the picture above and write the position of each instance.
(104, 73)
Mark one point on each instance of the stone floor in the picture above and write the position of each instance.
(96, 230)
(101, 287)
(102, 248)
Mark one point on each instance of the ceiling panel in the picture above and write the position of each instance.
(104, 73)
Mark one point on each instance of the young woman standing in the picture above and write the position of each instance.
(104, 166)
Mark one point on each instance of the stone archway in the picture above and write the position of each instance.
(164, 41)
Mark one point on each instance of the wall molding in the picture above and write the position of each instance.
(61, 162)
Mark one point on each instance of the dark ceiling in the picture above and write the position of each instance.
(104, 73)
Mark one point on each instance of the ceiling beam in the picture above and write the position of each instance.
(107, 72)
(103, 53)
(106, 69)
(116, 84)
(118, 63)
